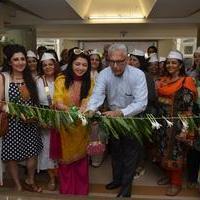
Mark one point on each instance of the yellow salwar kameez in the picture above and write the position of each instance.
(73, 164)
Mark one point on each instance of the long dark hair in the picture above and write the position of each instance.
(38, 66)
(142, 61)
(28, 79)
(70, 53)
(69, 75)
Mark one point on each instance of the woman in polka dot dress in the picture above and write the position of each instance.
(22, 141)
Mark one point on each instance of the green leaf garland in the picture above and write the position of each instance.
(139, 127)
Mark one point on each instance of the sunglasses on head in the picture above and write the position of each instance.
(79, 51)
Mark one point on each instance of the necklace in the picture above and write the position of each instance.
(17, 79)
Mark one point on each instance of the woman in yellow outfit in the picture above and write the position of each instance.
(72, 88)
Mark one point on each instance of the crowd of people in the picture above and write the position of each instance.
(120, 83)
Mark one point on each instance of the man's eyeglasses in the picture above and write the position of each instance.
(79, 51)
(117, 62)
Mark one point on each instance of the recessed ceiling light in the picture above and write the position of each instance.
(116, 17)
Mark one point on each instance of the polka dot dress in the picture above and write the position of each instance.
(22, 140)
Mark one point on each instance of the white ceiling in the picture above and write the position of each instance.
(105, 8)
(38, 12)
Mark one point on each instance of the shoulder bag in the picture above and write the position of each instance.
(3, 114)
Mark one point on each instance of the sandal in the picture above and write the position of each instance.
(140, 171)
(51, 186)
(18, 189)
(163, 181)
(173, 190)
(32, 187)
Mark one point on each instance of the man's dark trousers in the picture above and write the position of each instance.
(125, 153)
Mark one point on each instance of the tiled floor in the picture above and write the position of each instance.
(143, 188)
(103, 174)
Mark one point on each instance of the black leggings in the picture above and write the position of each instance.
(193, 164)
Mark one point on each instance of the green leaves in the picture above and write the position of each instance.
(108, 126)
(191, 123)
(138, 127)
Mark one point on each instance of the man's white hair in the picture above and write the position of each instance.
(118, 47)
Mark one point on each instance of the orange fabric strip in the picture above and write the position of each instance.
(165, 87)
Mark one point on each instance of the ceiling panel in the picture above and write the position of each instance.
(35, 12)
(49, 9)
(115, 8)
(112, 8)
(174, 8)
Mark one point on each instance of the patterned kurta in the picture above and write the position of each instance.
(175, 98)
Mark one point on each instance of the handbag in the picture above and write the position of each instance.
(3, 123)
(95, 146)
(3, 114)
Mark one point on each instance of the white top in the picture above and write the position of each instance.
(41, 91)
(44, 161)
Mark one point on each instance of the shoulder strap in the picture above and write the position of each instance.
(3, 77)
(44, 81)
(6, 81)
(46, 88)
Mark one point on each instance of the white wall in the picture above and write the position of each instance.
(114, 31)
(165, 34)
(165, 46)
(68, 44)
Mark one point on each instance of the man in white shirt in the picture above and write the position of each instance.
(125, 90)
